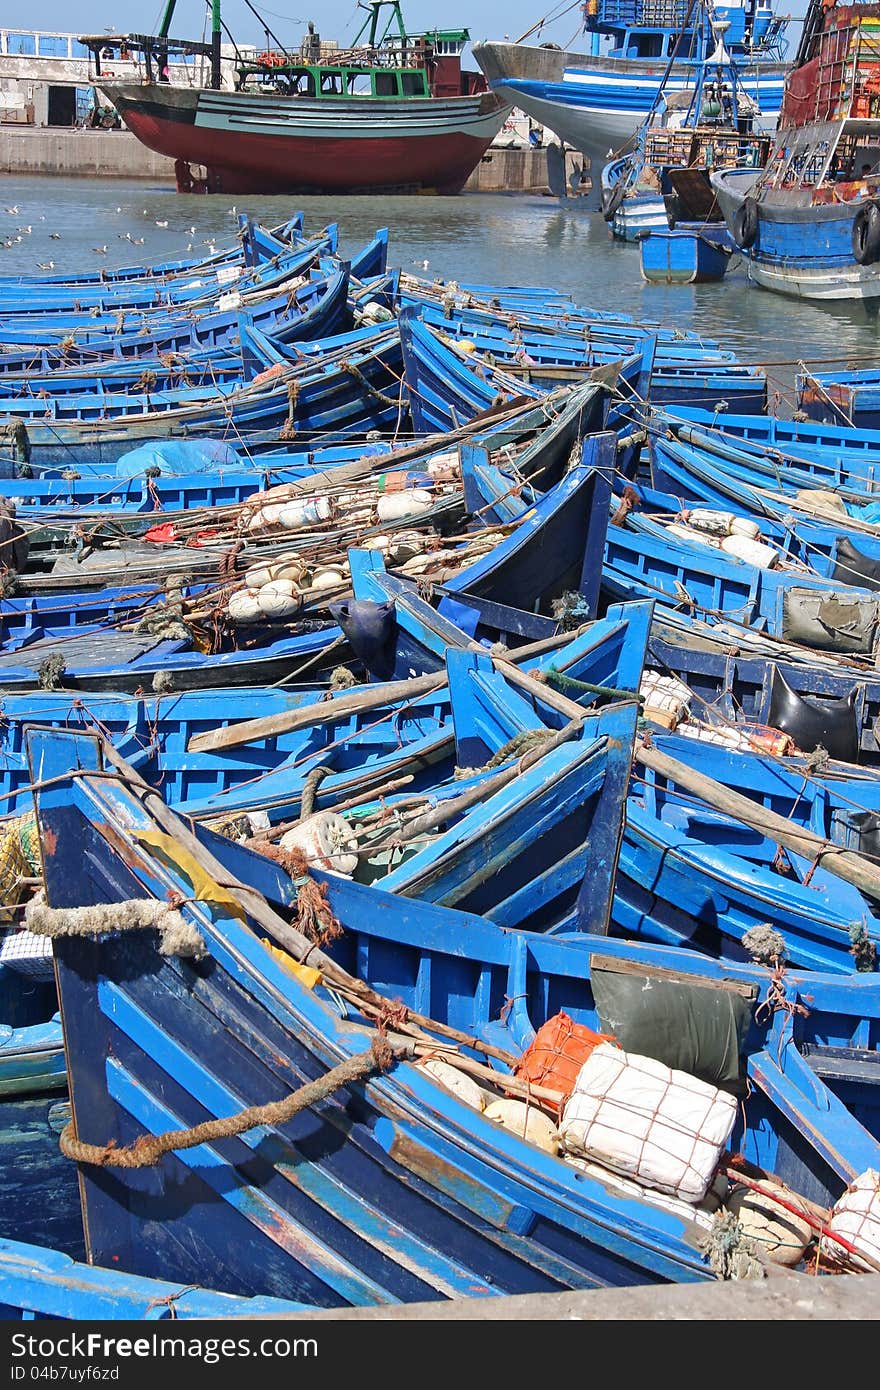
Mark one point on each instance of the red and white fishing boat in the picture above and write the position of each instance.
(394, 112)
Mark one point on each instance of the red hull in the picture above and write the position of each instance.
(244, 162)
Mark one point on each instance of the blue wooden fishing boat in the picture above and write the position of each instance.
(841, 397)
(809, 225)
(591, 325)
(693, 872)
(449, 377)
(797, 438)
(352, 383)
(566, 341)
(271, 755)
(825, 702)
(102, 314)
(281, 313)
(317, 308)
(403, 1190)
(808, 511)
(41, 1282)
(538, 437)
(692, 253)
(170, 479)
(447, 385)
(255, 243)
(740, 583)
(554, 546)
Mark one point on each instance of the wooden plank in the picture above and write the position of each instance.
(321, 712)
(846, 864)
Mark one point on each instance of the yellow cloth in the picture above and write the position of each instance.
(306, 974)
(205, 889)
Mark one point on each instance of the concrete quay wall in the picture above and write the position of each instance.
(118, 154)
(783, 1297)
(80, 153)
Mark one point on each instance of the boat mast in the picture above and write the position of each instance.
(165, 26)
(215, 44)
(372, 20)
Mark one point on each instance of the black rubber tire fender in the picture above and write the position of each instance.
(745, 224)
(612, 199)
(866, 233)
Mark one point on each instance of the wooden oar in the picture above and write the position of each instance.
(846, 864)
(374, 696)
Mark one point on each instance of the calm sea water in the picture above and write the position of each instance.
(504, 239)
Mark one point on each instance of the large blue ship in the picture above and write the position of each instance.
(596, 100)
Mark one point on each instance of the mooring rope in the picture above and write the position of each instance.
(149, 1149)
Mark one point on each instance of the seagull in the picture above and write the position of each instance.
(13, 211)
(119, 209)
(25, 230)
(189, 246)
(191, 231)
(161, 224)
(54, 236)
(46, 265)
(101, 250)
(137, 241)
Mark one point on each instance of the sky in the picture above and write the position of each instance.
(334, 19)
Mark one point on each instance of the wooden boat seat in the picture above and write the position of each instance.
(842, 1063)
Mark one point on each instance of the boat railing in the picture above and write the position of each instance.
(413, 55)
(706, 147)
(848, 74)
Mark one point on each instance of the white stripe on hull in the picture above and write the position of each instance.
(630, 223)
(597, 129)
(828, 282)
(300, 122)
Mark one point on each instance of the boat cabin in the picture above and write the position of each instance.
(663, 29)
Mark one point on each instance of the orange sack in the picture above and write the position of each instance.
(557, 1054)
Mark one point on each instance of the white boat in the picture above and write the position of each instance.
(597, 99)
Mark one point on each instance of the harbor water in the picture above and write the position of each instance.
(484, 238)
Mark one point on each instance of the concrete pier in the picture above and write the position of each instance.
(119, 154)
(784, 1297)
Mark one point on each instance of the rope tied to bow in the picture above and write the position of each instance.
(177, 936)
(289, 429)
(368, 386)
(516, 747)
(149, 1149)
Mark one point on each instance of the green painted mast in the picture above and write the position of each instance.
(215, 44)
(166, 19)
(165, 26)
(372, 21)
